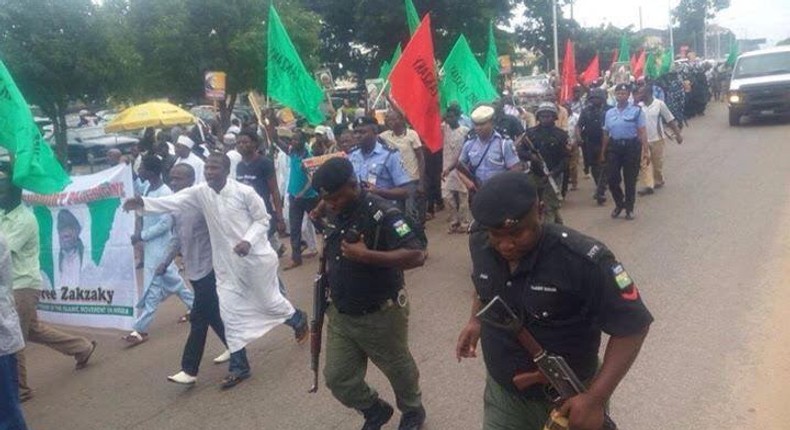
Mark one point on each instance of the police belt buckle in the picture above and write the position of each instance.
(402, 299)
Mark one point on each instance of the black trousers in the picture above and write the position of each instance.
(622, 162)
(433, 180)
(205, 314)
(297, 208)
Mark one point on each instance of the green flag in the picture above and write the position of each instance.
(625, 50)
(396, 56)
(666, 63)
(491, 66)
(464, 81)
(287, 80)
(733, 55)
(651, 69)
(35, 166)
(386, 68)
(412, 18)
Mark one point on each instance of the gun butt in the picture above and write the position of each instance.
(523, 381)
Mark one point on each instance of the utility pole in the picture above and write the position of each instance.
(671, 32)
(556, 41)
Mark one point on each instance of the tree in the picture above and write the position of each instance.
(783, 42)
(691, 16)
(179, 40)
(57, 53)
(603, 40)
(537, 31)
(362, 35)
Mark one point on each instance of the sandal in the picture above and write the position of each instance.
(81, 363)
(233, 380)
(134, 338)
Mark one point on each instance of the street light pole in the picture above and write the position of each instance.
(556, 46)
(671, 32)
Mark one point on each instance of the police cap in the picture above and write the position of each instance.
(332, 175)
(365, 120)
(504, 200)
(482, 114)
(547, 107)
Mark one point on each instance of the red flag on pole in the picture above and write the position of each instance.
(639, 67)
(568, 73)
(415, 88)
(615, 56)
(633, 63)
(593, 71)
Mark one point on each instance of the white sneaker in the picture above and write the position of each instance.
(223, 358)
(182, 378)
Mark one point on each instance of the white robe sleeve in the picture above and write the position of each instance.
(182, 200)
(260, 218)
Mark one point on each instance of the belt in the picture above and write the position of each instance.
(624, 141)
(400, 300)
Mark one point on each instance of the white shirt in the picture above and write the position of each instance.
(196, 163)
(407, 144)
(250, 300)
(653, 115)
(235, 158)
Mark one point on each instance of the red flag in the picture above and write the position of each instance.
(633, 63)
(568, 73)
(593, 71)
(415, 88)
(639, 68)
(615, 56)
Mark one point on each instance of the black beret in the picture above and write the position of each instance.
(332, 175)
(622, 87)
(504, 200)
(365, 120)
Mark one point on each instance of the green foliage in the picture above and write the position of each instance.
(363, 34)
(537, 32)
(783, 42)
(603, 40)
(690, 16)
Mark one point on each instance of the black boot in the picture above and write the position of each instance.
(377, 415)
(413, 419)
(617, 211)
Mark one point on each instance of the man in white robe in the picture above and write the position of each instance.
(251, 302)
(184, 154)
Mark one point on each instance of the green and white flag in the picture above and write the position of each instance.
(87, 261)
(412, 18)
(35, 166)
(287, 79)
(464, 81)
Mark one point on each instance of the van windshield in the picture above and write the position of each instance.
(775, 63)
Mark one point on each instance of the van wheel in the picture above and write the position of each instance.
(735, 119)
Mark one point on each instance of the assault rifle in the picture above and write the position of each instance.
(556, 188)
(320, 302)
(552, 369)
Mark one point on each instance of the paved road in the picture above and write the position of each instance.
(710, 254)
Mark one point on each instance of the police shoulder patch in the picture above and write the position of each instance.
(401, 228)
(621, 277)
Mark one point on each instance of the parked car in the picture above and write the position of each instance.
(760, 84)
(89, 145)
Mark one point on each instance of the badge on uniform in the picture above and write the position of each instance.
(627, 287)
(401, 228)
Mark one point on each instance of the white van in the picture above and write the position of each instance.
(760, 84)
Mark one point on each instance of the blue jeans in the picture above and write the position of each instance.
(239, 365)
(162, 287)
(11, 417)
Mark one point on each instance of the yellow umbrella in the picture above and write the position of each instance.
(152, 114)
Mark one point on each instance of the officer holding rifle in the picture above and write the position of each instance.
(565, 289)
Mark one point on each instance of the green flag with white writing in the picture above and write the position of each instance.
(464, 81)
(491, 66)
(287, 80)
(412, 18)
(34, 164)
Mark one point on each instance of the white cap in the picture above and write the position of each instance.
(229, 138)
(482, 114)
(83, 112)
(186, 141)
(321, 129)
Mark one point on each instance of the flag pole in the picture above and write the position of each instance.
(383, 88)
(556, 47)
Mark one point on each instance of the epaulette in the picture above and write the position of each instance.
(579, 244)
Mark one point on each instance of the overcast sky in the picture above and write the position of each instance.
(747, 18)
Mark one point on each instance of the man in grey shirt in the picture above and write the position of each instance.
(192, 240)
(10, 343)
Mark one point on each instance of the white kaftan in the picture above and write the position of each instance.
(250, 300)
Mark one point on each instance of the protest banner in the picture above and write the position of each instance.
(87, 260)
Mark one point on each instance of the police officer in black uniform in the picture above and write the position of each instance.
(551, 142)
(590, 128)
(368, 245)
(567, 288)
